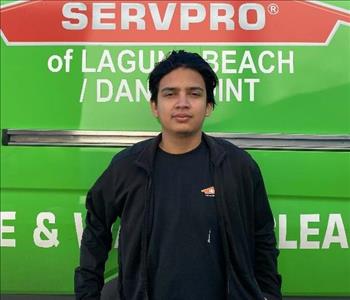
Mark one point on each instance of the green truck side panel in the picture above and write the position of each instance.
(306, 101)
(290, 179)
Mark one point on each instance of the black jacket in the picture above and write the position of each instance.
(124, 189)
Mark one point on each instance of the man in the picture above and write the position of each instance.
(195, 219)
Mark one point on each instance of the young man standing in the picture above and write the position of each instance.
(195, 219)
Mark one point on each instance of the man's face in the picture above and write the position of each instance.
(182, 102)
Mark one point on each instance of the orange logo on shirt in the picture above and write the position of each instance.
(209, 192)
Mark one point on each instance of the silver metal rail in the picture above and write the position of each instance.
(81, 138)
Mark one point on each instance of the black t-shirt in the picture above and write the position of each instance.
(185, 257)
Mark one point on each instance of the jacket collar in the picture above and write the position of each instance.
(146, 158)
(217, 151)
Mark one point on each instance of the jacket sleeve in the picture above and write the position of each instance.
(102, 211)
(266, 253)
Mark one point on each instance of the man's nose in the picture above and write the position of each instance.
(182, 100)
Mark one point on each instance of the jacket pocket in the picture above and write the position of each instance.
(132, 290)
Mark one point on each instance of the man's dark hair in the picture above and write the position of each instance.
(183, 59)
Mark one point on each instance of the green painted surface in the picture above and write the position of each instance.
(303, 102)
(299, 183)
(342, 3)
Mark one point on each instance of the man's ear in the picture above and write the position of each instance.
(209, 109)
(154, 108)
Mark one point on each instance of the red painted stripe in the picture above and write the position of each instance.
(296, 22)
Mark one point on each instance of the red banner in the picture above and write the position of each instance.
(144, 22)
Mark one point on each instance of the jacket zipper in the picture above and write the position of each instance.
(219, 200)
(145, 236)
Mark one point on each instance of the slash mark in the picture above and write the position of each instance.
(82, 93)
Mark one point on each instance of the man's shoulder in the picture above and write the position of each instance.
(232, 151)
(131, 153)
(228, 147)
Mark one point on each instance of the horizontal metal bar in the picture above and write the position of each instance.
(112, 295)
(85, 138)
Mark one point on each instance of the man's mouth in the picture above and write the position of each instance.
(182, 117)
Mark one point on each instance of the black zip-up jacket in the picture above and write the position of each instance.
(124, 190)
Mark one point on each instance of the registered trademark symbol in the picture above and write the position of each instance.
(273, 9)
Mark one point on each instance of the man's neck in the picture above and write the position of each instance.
(180, 143)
